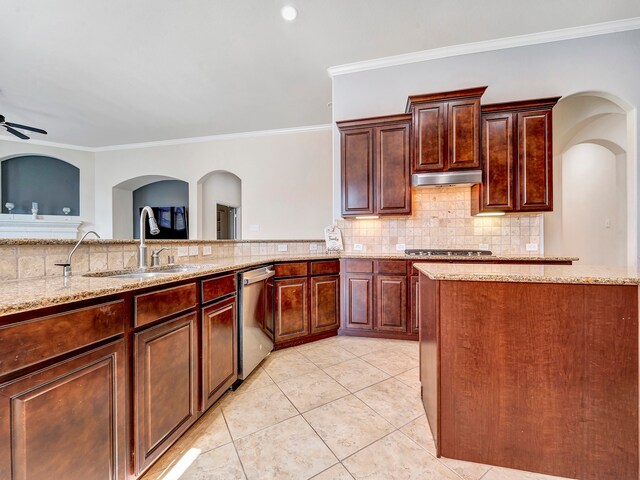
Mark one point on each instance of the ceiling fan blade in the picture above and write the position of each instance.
(25, 127)
(16, 132)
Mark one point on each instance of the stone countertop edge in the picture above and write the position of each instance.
(34, 293)
(112, 241)
(567, 274)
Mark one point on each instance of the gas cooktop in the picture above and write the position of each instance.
(450, 253)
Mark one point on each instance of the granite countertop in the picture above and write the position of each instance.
(459, 258)
(33, 293)
(571, 274)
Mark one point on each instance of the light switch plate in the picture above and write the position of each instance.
(400, 247)
(313, 247)
(193, 250)
(532, 247)
(183, 251)
(357, 247)
(206, 250)
(484, 246)
(254, 227)
(282, 247)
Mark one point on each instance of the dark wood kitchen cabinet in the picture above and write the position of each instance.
(292, 308)
(376, 165)
(391, 303)
(67, 420)
(219, 354)
(517, 158)
(414, 304)
(307, 301)
(358, 301)
(165, 386)
(446, 130)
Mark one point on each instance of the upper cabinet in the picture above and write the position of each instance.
(446, 130)
(376, 159)
(516, 158)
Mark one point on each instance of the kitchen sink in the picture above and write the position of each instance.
(154, 272)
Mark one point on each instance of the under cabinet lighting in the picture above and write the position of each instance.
(289, 13)
(490, 214)
(367, 217)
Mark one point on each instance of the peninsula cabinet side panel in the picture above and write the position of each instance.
(541, 377)
(67, 421)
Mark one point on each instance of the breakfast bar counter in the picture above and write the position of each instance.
(532, 367)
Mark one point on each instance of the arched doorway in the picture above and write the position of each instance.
(220, 202)
(594, 215)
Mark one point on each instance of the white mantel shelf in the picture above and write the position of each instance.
(39, 228)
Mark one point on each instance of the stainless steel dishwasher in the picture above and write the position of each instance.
(256, 320)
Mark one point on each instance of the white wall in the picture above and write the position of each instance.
(82, 159)
(605, 63)
(219, 187)
(286, 179)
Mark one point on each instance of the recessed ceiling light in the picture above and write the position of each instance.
(289, 13)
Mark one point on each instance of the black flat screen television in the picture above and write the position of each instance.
(172, 221)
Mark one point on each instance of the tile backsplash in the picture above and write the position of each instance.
(442, 219)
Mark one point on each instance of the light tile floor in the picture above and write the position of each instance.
(340, 408)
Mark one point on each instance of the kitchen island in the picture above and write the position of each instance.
(532, 367)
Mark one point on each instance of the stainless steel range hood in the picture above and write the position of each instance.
(447, 179)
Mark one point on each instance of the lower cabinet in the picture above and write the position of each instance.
(219, 354)
(67, 420)
(292, 309)
(325, 303)
(358, 301)
(165, 386)
(391, 303)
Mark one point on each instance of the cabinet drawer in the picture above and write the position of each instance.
(27, 343)
(291, 269)
(358, 266)
(325, 268)
(163, 303)
(392, 267)
(218, 287)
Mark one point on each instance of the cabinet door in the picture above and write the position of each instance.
(357, 172)
(393, 168)
(165, 386)
(325, 303)
(534, 161)
(68, 420)
(292, 309)
(358, 301)
(429, 137)
(391, 303)
(498, 162)
(463, 138)
(414, 308)
(219, 355)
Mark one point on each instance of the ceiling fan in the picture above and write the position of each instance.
(11, 128)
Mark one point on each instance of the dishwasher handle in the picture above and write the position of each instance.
(258, 278)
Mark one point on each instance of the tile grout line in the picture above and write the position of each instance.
(234, 444)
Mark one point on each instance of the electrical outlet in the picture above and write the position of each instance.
(183, 251)
(206, 250)
(607, 223)
(254, 227)
(484, 246)
(282, 247)
(193, 250)
(357, 247)
(400, 247)
(313, 247)
(532, 247)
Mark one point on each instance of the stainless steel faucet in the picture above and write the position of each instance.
(155, 257)
(66, 267)
(153, 229)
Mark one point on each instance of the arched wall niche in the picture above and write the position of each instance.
(123, 202)
(594, 177)
(51, 182)
(218, 187)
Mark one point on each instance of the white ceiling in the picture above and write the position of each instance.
(108, 72)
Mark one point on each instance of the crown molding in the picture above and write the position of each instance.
(44, 143)
(213, 138)
(489, 45)
(178, 141)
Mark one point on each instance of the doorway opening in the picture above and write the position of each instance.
(226, 222)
